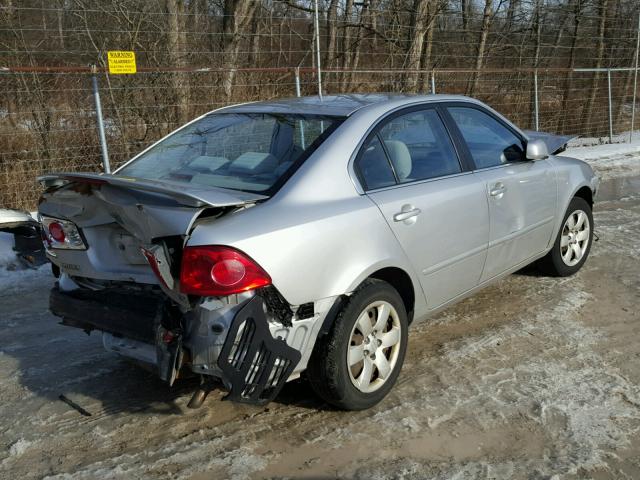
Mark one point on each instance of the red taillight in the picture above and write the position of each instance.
(219, 271)
(57, 232)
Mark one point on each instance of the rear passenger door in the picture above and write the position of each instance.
(410, 168)
(521, 193)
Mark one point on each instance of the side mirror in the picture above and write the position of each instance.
(537, 150)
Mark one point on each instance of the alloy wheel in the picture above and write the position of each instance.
(374, 346)
(575, 238)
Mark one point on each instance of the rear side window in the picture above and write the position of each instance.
(490, 143)
(408, 147)
(419, 146)
(373, 166)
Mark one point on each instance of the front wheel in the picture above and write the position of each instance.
(356, 364)
(573, 243)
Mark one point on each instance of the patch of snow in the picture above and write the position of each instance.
(8, 259)
(12, 270)
(19, 447)
(7, 255)
(610, 160)
(596, 152)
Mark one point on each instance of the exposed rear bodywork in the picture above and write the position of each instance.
(124, 282)
(123, 217)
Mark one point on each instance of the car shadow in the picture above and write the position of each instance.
(50, 360)
(530, 270)
(298, 393)
(66, 366)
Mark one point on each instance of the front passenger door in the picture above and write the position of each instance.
(437, 211)
(521, 193)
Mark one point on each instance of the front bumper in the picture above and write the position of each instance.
(249, 361)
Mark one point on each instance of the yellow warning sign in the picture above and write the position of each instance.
(121, 62)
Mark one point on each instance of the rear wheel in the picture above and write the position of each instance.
(573, 243)
(356, 364)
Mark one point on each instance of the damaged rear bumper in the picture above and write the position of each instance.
(110, 310)
(230, 342)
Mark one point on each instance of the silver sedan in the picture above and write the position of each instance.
(266, 240)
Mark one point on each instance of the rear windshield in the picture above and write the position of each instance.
(253, 152)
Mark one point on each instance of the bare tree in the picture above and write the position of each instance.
(419, 23)
(177, 43)
(237, 15)
(487, 15)
(602, 23)
(332, 33)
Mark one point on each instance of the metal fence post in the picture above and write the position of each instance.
(610, 106)
(535, 99)
(433, 82)
(317, 29)
(635, 83)
(103, 138)
(296, 73)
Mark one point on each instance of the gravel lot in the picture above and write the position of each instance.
(533, 378)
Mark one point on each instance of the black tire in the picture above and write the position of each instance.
(553, 264)
(328, 372)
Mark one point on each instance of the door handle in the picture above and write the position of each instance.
(497, 190)
(406, 213)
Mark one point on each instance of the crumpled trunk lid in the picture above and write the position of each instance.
(121, 217)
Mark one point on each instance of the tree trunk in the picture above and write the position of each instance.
(426, 62)
(464, 10)
(59, 14)
(588, 111)
(177, 44)
(537, 34)
(418, 29)
(332, 34)
(563, 126)
(255, 42)
(346, 42)
(626, 91)
(373, 15)
(238, 14)
(511, 13)
(482, 44)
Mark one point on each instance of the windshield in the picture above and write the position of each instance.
(253, 152)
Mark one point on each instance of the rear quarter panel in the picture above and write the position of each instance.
(311, 251)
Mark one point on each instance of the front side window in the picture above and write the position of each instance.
(490, 143)
(242, 151)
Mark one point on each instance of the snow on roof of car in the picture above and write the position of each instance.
(338, 105)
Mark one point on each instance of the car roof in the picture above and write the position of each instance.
(341, 105)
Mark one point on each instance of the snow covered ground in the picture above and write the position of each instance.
(532, 378)
(609, 160)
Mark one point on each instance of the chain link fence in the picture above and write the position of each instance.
(50, 120)
(192, 60)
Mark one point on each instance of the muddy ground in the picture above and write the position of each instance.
(533, 378)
